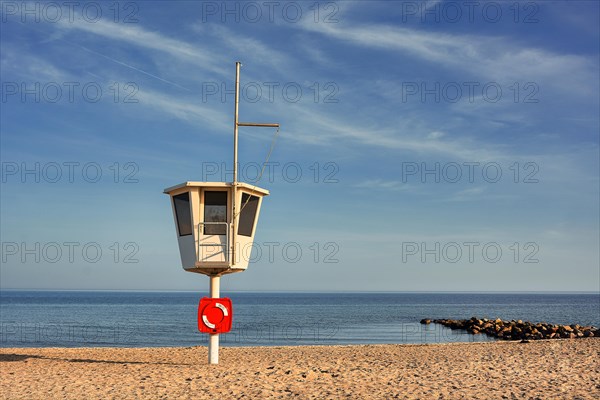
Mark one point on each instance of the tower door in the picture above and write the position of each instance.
(214, 228)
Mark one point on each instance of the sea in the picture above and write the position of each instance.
(168, 319)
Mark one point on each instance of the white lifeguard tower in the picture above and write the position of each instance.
(216, 221)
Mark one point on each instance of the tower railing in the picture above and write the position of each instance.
(204, 246)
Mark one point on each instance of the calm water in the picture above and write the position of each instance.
(131, 319)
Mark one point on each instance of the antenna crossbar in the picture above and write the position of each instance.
(258, 124)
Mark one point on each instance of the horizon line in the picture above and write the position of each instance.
(312, 291)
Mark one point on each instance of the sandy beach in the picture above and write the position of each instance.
(548, 369)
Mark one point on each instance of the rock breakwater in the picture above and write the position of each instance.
(517, 330)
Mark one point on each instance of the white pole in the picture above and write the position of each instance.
(213, 341)
(232, 260)
(235, 120)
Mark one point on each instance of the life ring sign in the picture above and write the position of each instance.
(215, 315)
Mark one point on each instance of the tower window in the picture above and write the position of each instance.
(182, 213)
(248, 215)
(215, 210)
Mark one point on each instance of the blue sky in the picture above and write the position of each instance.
(441, 146)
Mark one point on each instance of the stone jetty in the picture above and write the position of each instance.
(517, 330)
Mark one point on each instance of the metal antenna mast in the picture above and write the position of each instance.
(236, 125)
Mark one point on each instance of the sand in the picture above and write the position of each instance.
(549, 369)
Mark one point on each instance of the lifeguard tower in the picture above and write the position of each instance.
(216, 221)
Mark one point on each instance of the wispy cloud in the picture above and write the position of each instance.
(381, 184)
(330, 129)
(469, 194)
(138, 36)
(184, 109)
(30, 67)
(131, 67)
(477, 195)
(493, 58)
(246, 47)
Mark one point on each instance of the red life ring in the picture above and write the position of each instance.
(215, 315)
